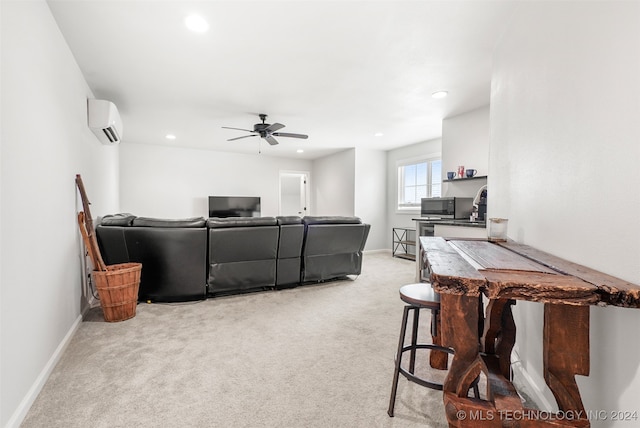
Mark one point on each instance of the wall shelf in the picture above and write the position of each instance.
(477, 177)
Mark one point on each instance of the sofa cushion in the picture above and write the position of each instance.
(216, 222)
(121, 219)
(160, 222)
(330, 220)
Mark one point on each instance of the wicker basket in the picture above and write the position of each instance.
(118, 290)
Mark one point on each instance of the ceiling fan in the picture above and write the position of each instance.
(266, 131)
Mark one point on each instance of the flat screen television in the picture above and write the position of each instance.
(234, 206)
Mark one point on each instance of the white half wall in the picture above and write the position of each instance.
(352, 183)
(371, 195)
(170, 182)
(563, 167)
(45, 143)
(334, 184)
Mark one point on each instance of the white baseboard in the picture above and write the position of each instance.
(26, 403)
(532, 388)
(384, 250)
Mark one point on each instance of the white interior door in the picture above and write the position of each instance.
(294, 193)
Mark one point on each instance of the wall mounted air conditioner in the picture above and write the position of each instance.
(104, 121)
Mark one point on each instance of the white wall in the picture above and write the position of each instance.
(395, 219)
(564, 153)
(371, 195)
(334, 184)
(465, 141)
(45, 142)
(170, 182)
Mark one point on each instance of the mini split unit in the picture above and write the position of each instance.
(104, 121)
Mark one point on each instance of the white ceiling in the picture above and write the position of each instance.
(339, 71)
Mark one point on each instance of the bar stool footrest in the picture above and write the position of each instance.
(416, 379)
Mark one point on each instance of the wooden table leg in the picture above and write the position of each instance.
(498, 339)
(459, 326)
(460, 321)
(499, 335)
(460, 331)
(566, 352)
(437, 359)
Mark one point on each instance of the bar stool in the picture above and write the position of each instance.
(418, 296)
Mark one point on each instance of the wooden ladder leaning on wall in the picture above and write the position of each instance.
(85, 221)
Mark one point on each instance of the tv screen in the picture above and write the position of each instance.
(234, 206)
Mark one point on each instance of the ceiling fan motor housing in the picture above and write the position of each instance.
(260, 127)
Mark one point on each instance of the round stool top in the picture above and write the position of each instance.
(420, 294)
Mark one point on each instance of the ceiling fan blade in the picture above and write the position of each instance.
(274, 127)
(286, 134)
(244, 136)
(238, 129)
(271, 140)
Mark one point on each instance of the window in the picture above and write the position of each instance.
(418, 179)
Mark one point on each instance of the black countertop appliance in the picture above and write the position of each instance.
(482, 205)
(452, 207)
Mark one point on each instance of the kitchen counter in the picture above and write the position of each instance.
(451, 222)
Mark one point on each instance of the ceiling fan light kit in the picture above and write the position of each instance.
(266, 131)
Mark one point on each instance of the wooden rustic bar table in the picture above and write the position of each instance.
(463, 271)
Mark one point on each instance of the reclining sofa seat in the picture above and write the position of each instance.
(332, 247)
(242, 254)
(172, 253)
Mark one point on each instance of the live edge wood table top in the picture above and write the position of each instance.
(464, 271)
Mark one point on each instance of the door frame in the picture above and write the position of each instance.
(307, 198)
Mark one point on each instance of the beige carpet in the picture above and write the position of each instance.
(314, 356)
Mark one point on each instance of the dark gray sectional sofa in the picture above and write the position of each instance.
(191, 259)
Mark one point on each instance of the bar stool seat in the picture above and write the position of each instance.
(417, 296)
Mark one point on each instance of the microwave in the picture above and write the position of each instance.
(446, 207)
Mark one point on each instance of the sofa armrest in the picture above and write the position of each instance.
(121, 219)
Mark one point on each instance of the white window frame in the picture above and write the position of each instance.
(429, 158)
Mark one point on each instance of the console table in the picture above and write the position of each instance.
(463, 271)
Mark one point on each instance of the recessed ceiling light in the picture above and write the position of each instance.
(439, 94)
(299, 151)
(196, 23)
(170, 137)
(378, 134)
